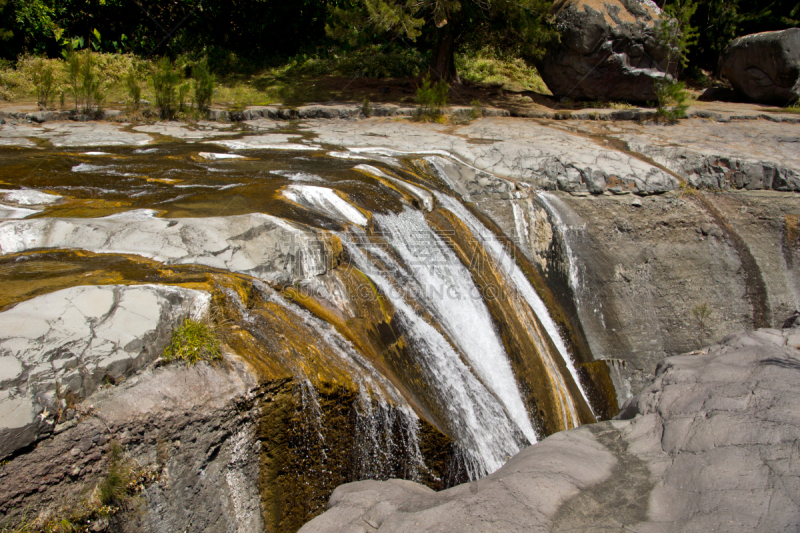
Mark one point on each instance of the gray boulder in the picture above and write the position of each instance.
(709, 446)
(765, 67)
(609, 50)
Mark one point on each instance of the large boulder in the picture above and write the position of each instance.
(709, 446)
(609, 50)
(765, 67)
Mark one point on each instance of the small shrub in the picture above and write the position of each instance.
(43, 80)
(203, 85)
(702, 314)
(366, 108)
(91, 84)
(671, 104)
(134, 90)
(193, 341)
(165, 82)
(114, 488)
(72, 69)
(431, 98)
(183, 91)
(84, 78)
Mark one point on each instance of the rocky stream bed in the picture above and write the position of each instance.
(499, 326)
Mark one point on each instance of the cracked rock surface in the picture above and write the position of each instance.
(710, 445)
(196, 424)
(60, 347)
(543, 157)
(261, 245)
(751, 155)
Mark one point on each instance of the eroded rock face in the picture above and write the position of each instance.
(261, 245)
(609, 50)
(59, 348)
(539, 157)
(765, 67)
(674, 462)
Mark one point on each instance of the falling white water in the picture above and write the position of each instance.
(377, 449)
(515, 274)
(325, 201)
(480, 422)
(574, 280)
(520, 224)
(458, 306)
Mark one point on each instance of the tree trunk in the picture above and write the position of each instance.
(443, 60)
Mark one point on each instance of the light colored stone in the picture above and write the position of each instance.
(257, 244)
(545, 157)
(269, 141)
(696, 451)
(179, 130)
(10, 368)
(28, 197)
(71, 339)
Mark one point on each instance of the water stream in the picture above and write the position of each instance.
(436, 315)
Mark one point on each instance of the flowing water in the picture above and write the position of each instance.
(425, 314)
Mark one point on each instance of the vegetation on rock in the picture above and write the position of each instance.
(116, 491)
(192, 342)
(671, 104)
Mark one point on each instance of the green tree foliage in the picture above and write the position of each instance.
(431, 97)
(677, 29)
(714, 23)
(444, 26)
(671, 104)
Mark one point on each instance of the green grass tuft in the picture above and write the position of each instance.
(490, 68)
(193, 341)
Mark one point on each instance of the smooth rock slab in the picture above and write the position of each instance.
(28, 197)
(260, 245)
(544, 157)
(67, 134)
(67, 343)
(182, 131)
(711, 445)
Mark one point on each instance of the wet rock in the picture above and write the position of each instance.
(260, 245)
(66, 344)
(608, 51)
(67, 134)
(666, 465)
(765, 67)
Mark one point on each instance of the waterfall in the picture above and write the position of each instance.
(487, 416)
(456, 303)
(574, 275)
(516, 278)
(382, 412)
